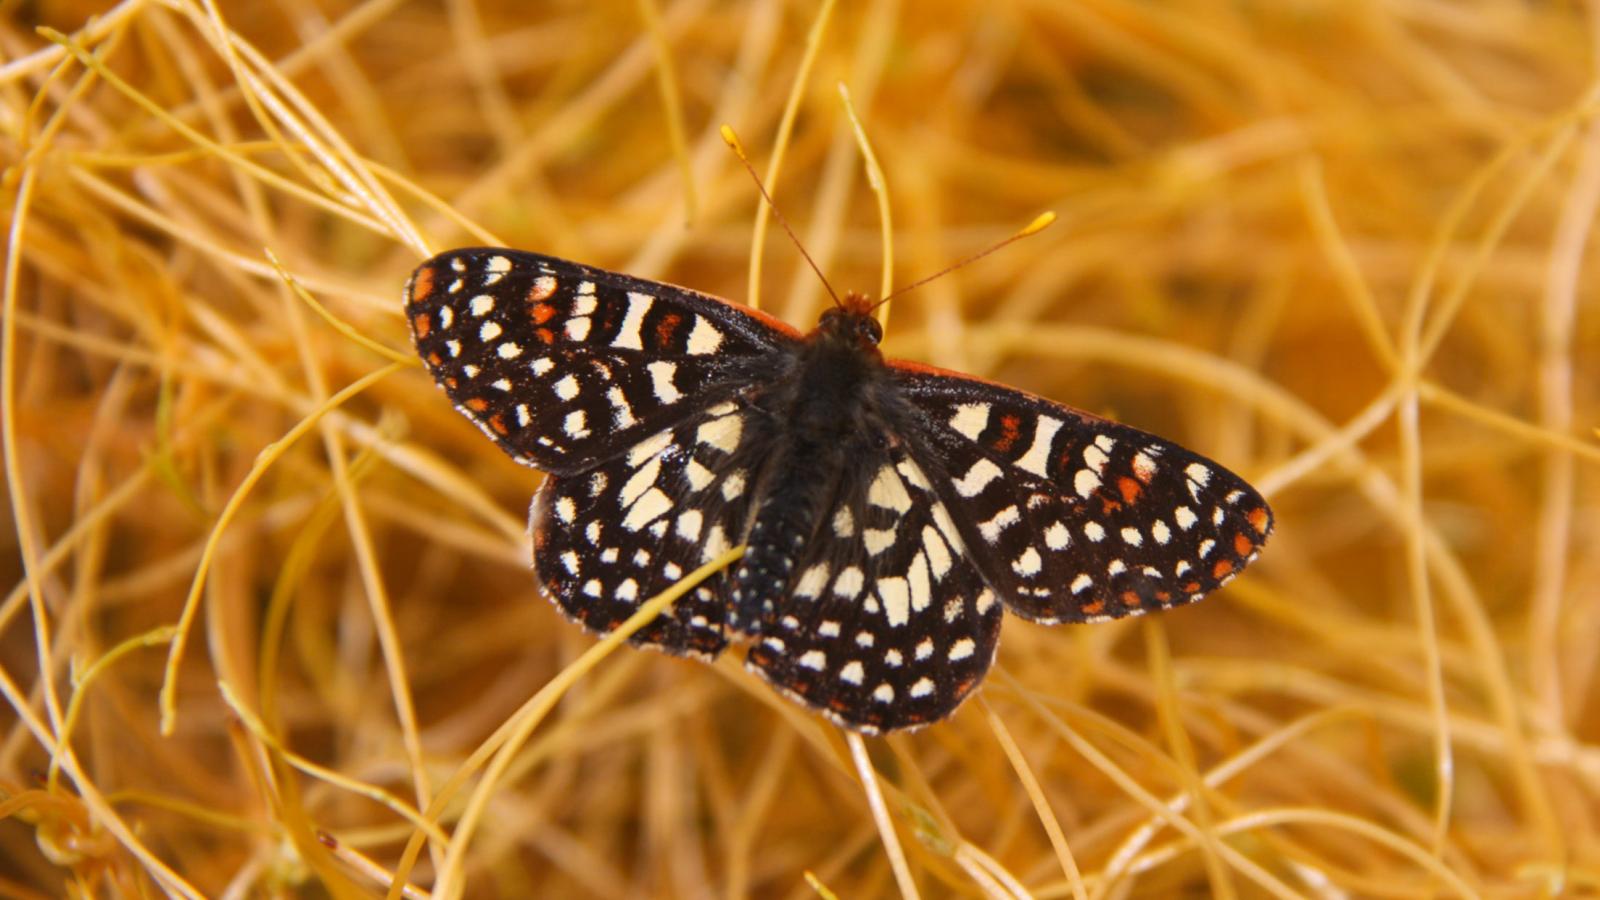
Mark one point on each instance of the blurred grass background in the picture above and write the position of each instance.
(1338, 246)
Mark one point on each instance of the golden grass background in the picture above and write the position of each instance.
(1338, 246)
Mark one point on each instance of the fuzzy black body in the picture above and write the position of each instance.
(890, 511)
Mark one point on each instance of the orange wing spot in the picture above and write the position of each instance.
(1223, 567)
(546, 335)
(1010, 430)
(422, 284)
(1163, 597)
(422, 323)
(1242, 545)
(1258, 519)
(497, 424)
(665, 328)
(1094, 608)
(477, 404)
(1192, 587)
(964, 685)
(1130, 489)
(839, 704)
(1108, 505)
(1129, 598)
(543, 286)
(542, 313)
(450, 382)
(435, 360)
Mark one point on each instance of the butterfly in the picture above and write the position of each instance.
(890, 510)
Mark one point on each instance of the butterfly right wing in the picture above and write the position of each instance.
(564, 365)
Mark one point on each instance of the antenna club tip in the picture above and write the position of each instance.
(731, 139)
(1040, 222)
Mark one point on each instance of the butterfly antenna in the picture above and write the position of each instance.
(738, 148)
(1039, 223)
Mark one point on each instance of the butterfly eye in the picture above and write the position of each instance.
(870, 330)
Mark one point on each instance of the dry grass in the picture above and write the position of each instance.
(1336, 245)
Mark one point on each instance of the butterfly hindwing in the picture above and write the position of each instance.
(887, 624)
(564, 365)
(608, 539)
(1074, 518)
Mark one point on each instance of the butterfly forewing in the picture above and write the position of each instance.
(887, 623)
(612, 537)
(1074, 518)
(563, 365)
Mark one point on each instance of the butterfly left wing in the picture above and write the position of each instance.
(564, 365)
(887, 623)
(1074, 518)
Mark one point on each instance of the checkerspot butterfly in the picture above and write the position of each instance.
(890, 510)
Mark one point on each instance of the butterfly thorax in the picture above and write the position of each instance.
(827, 412)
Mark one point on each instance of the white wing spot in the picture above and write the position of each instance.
(883, 693)
(865, 639)
(1094, 532)
(1216, 516)
(1182, 567)
(986, 600)
(569, 561)
(1056, 537)
(849, 581)
(896, 596)
(828, 629)
(501, 384)
(733, 486)
(1185, 517)
(447, 317)
(1002, 520)
(962, 649)
(888, 491)
(977, 478)
(575, 424)
(661, 375)
(1037, 459)
(542, 366)
(699, 476)
(812, 581)
(566, 510)
(577, 328)
(722, 433)
(1144, 468)
(1206, 547)
(877, 540)
(924, 649)
(1085, 483)
(566, 388)
(844, 524)
(482, 305)
(621, 410)
(921, 586)
(970, 419)
(523, 416)
(704, 338)
(814, 659)
(1132, 537)
(689, 525)
(922, 688)
(853, 672)
(716, 544)
(592, 587)
(1028, 564)
(455, 348)
(1095, 458)
(628, 590)
(648, 509)
(499, 264)
(1198, 473)
(952, 609)
(1117, 567)
(938, 554)
(893, 658)
(1081, 583)
(510, 350)
(632, 321)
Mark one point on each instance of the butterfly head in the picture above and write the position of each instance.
(851, 322)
